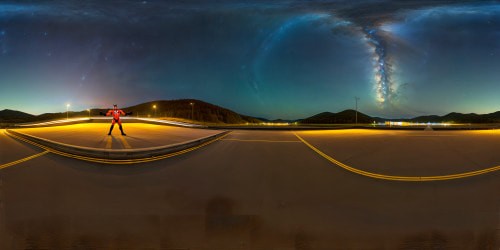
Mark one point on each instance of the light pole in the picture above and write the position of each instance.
(89, 112)
(154, 107)
(356, 99)
(192, 110)
(67, 111)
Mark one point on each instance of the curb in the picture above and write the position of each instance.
(117, 154)
(53, 123)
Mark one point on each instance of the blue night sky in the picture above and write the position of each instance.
(271, 59)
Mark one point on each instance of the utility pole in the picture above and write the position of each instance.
(356, 99)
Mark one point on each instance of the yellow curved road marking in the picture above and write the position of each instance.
(110, 161)
(394, 177)
(242, 140)
(6, 165)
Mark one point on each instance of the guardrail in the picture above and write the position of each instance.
(116, 154)
(106, 119)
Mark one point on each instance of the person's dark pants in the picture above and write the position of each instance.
(113, 125)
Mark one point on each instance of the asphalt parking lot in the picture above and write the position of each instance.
(259, 190)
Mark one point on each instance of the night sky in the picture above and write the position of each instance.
(271, 59)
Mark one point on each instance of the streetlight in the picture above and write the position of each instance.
(89, 112)
(154, 107)
(67, 111)
(192, 110)
(356, 99)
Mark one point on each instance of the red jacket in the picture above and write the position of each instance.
(115, 113)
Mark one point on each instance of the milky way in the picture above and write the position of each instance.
(383, 69)
(384, 84)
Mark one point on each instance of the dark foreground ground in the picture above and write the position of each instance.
(260, 190)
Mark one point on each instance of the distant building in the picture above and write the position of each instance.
(393, 123)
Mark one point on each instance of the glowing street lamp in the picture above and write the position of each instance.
(67, 111)
(89, 112)
(192, 110)
(154, 107)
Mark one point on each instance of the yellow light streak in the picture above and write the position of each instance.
(109, 142)
(241, 140)
(124, 142)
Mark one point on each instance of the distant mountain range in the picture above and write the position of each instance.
(348, 116)
(15, 116)
(200, 110)
(206, 112)
(461, 118)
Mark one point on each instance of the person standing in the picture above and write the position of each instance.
(116, 113)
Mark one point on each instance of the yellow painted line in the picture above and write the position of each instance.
(109, 142)
(430, 135)
(255, 140)
(109, 161)
(6, 165)
(398, 178)
(124, 142)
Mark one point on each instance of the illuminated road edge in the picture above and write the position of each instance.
(116, 156)
(394, 177)
(107, 119)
